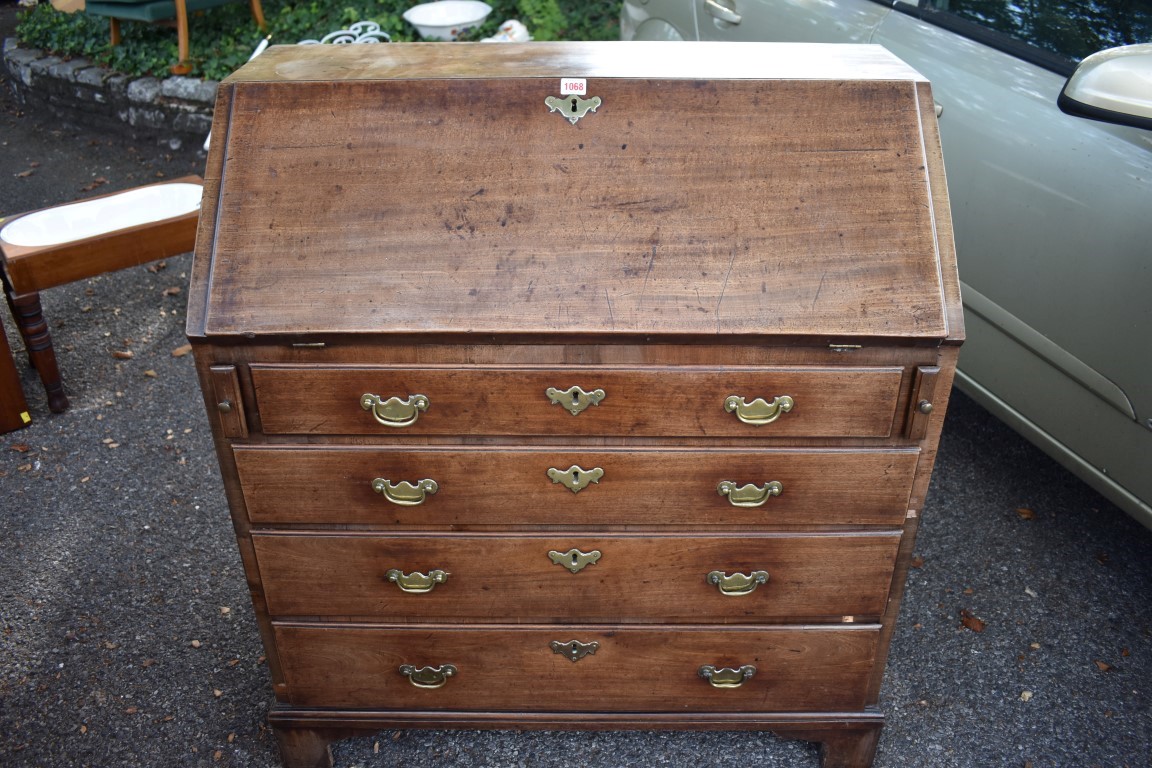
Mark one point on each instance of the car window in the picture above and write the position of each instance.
(1055, 34)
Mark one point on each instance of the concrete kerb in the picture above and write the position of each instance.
(79, 93)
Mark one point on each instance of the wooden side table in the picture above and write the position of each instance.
(101, 234)
(13, 406)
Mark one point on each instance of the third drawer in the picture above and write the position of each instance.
(536, 577)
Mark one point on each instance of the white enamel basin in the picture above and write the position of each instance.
(88, 218)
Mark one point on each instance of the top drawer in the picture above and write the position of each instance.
(651, 401)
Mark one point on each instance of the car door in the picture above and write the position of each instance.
(834, 21)
(1052, 234)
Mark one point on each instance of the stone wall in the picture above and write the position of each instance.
(172, 110)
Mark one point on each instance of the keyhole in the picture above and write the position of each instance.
(575, 477)
(575, 561)
(573, 103)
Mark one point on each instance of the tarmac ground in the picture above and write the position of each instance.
(127, 636)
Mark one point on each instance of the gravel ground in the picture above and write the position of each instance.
(127, 637)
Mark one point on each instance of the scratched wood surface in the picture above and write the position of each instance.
(481, 486)
(828, 402)
(637, 578)
(675, 61)
(726, 207)
(798, 669)
(732, 220)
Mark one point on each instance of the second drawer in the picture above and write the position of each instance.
(482, 486)
(477, 577)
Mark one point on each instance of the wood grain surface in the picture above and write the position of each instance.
(482, 486)
(646, 669)
(828, 402)
(779, 206)
(638, 577)
(732, 220)
(670, 61)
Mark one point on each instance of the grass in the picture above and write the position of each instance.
(223, 38)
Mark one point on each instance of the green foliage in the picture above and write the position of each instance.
(223, 38)
(543, 18)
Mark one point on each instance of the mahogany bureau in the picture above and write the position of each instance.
(576, 385)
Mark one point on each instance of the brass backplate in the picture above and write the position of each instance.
(749, 495)
(574, 650)
(575, 399)
(737, 583)
(572, 108)
(574, 560)
(726, 677)
(758, 412)
(575, 478)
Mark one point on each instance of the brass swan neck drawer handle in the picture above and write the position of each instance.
(575, 478)
(428, 677)
(574, 650)
(395, 412)
(404, 493)
(415, 582)
(726, 677)
(737, 583)
(574, 399)
(758, 412)
(749, 495)
(574, 560)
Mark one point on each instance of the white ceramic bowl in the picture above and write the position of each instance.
(447, 19)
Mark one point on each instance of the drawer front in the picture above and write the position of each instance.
(797, 669)
(575, 487)
(577, 577)
(667, 402)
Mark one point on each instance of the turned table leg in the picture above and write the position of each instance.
(30, 319)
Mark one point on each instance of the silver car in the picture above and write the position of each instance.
(1052, 211)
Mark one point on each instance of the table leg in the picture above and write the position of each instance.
(34, 328)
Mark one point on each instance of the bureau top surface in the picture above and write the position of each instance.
(714, 190)
(648, 60)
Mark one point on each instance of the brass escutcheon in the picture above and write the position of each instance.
(748, 495)
(737, 583)
(575, 478)
(726, 677)
(574, 399)
(574, 560)
(758, 412)
(395, 412)
(404, 493)
(574, 650)
(428, 677)
(416, 583)
(572, 108)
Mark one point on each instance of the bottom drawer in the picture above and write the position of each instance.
(510, 668)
